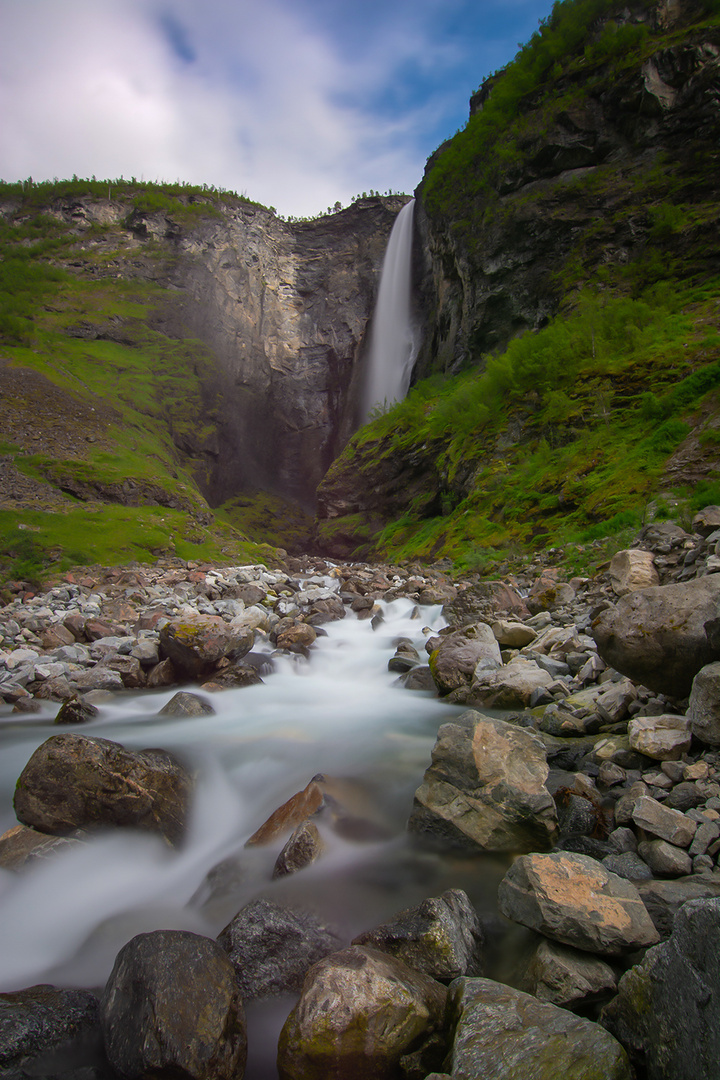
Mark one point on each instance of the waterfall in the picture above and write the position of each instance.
(393, 338)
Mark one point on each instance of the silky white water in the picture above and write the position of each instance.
(393, 337)
(64, 918)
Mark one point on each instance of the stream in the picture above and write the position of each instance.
(63, 920)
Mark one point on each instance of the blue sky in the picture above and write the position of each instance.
(295, 103)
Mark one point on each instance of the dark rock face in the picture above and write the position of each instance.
(284, 307)
(272, 947)
(172, 1008)
(44, 1019)
(501, 1032)
(74, 781)
(667, 1012)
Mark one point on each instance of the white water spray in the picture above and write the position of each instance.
(393, 338)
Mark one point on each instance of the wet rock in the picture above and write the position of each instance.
(502, 1033)
(197, 643)
(272, 947)
(657, 636)
(292, 813)
(172, 1008)
(303, 848)
(567, 977)
(359, 1013)
(485, 788)
(667, 1011)
(441, 937)
(186, 704)
(76, 711)
(41, 1020)
(573, 899)
(74, 781)
(20, 845)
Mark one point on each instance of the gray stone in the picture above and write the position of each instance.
(441, 937)
(485, 788)
(504, 1034)
(172, 1008)
(704, 705)
(186, 704)
(272, 947)
(567, 977)
(663, 899)
(575, 900)
(630, 865)
(304, 846)
(663, 738)
(667, 1012)
(665, 860)
(454, 661)
(668, 824)
(657, 636)
(631, 570)
(41, 1020)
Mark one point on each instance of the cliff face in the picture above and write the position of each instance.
(575, 181)
(284, 308)
(274, 314)
(583, 193)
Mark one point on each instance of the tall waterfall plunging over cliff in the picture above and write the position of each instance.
(393, 337)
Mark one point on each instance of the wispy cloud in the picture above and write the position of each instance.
(295, 102)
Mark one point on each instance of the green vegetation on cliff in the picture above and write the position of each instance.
(572, 300)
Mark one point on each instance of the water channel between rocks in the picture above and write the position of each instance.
(64, 919)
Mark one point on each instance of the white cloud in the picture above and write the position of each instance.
(268, 99)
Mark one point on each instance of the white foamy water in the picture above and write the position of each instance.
(64, 918)
(393, 337)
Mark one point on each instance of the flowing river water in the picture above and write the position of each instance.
(64, 918)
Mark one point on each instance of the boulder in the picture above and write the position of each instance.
(442, 937)
(707, 520)
(504, 1034)
(509, 687)
(172, 1008)
(195, 644)
(513, 635)
(632, 570)
(187, 704)
(42, 1020)
(76, 711)
(454, 661)
(359, 1013)
(667, 1011)
(662, 821)
(297, 638)
(567, 977)
(292, 813)
(704, 705)
(272, 947)
(20, 845)
(665, 859)
(485, 788)
(74, 781)
(664, 738)
(657, 636)
(487, 599)
(663, 899)
(573, 899)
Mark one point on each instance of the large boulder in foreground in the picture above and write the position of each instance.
(575, 900)
(485, 789)
(359, 1013)
(172, 1008)
(77, 781)
(657, 636)
(504, 1034)
(667, 1012)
